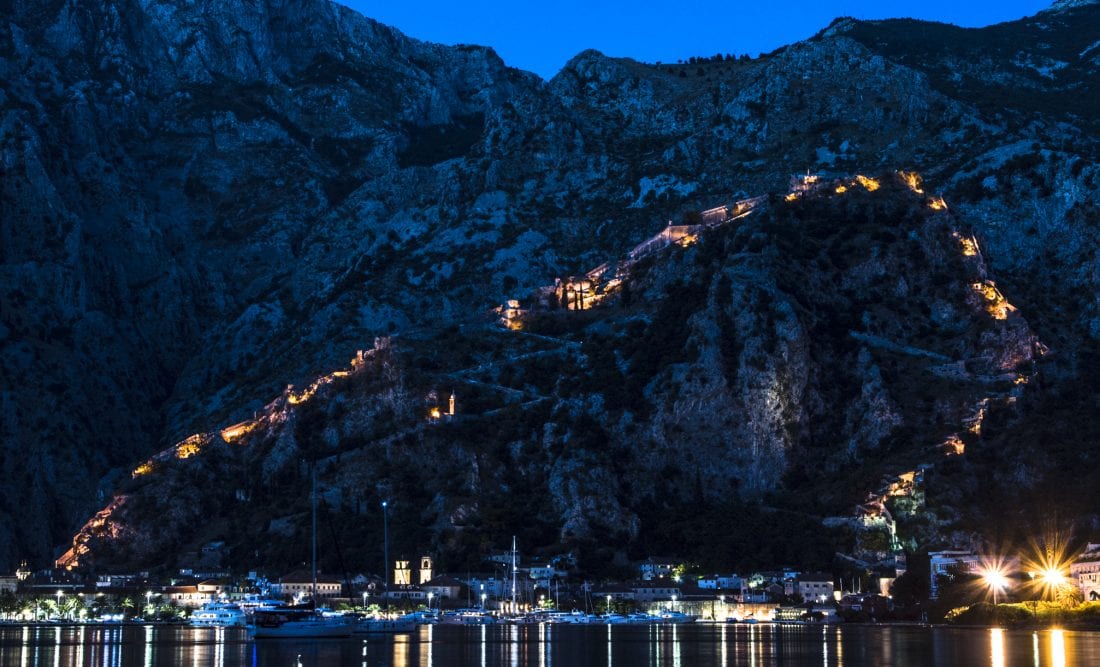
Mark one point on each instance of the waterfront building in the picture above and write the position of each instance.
(720, 582)
(656, 567)
(655, 589)
(300, 582)
(942, 563)
(188, 597)
(815, 587)
(443, 587)
(1085, 572)
(617, 592)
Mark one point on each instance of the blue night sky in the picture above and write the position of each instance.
(541, 36)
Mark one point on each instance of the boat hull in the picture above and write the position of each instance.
(236, 623)
(383, 626)
(301, 630)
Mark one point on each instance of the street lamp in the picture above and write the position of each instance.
(60, 594)
(1052, 577)
(608, 605)
(148, 602)
(364, 600)
(482, 600)
(430, 596)
(1048, 568)
(996, 580)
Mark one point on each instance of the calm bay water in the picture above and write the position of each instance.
(565, 646)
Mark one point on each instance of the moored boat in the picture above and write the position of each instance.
(218, 614)
(306, 621)
(467, 617)
(375, 625)
(569, 617)
(275, 623)
(675, 617)
(253, 601)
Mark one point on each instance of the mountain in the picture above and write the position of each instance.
(842, 333)
(205, 202)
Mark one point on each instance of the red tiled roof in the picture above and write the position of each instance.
(304, 577)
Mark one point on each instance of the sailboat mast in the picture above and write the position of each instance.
(386, 553)
(313, 540)
(514, 609)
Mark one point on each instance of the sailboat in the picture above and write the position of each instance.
(303, 621)
(382, 624)
(300, 621)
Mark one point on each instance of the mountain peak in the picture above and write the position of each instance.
(1063, 5)
(840, 25)
(588, 55)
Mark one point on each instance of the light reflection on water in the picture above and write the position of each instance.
(997, 647)
(1057, 648)
(542, 646)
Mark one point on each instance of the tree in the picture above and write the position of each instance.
(957, 587)
(911, 588)
(9, 604)
(1068, 596)
(70, 607)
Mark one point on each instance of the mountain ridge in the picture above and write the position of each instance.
(204, 240)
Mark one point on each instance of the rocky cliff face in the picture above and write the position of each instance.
(203, 202)
(843, 333)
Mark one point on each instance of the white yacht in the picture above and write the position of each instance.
(253, 601)
(570, 617)
(467, 617)
(218, 614)
(677, 617)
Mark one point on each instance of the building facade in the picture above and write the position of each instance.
(301, 583)
(941, 563)
(815, 587)
(657, 567)
(1085, 571)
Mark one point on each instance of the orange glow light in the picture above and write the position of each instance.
(869, 184)
(912, 180)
